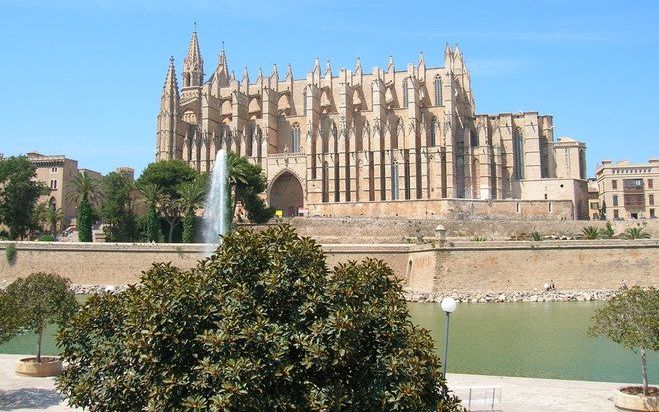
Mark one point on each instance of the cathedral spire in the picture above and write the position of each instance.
(289, 73)
(390, 64)
(193, 65)
(170, 95)
(221, 75)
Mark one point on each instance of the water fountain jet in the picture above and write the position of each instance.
(215, 222)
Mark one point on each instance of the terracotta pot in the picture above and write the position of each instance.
(636, 402)
(49, 366)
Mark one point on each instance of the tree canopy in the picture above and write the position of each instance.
(631, 319)
(262, 324)
(117, 208)
(35, 302)
(18, 195)
(168, 175)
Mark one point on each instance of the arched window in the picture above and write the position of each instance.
(295, 138)
(518, 153)
(406, 93)
(325, 189)
(433, 132)
(394, 180)
(438, 90)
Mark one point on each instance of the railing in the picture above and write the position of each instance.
(480, 398)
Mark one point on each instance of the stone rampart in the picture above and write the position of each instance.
(399, 230)
(525, 265)
(122, 263)
(448, 209)
(466, 267)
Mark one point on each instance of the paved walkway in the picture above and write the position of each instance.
(537, 395)
(18, 393)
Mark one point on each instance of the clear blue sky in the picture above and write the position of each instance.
(84, 77)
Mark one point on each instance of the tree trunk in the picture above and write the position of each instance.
(644, 369)
(234, 203)
(39, 345)
(171, 230)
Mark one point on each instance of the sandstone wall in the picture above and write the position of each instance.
(524, 266)
(122, 263)
(448, 209)
(462, 266)
(397, 230)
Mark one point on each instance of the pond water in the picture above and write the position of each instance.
(541, 340)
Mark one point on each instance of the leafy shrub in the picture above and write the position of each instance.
(479, 239)
(536, 236)
(260, 325)
(10, 253)
(46, 238)
(608, 232)
(591, 232)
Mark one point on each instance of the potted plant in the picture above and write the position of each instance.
(30, 305)
(630, 319)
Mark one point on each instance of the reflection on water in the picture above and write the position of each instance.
(542, 340)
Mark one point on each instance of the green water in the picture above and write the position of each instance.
(541, 340)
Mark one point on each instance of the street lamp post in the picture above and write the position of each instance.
(448, 306)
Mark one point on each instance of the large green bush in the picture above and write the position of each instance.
(85, 220)
(260, 325)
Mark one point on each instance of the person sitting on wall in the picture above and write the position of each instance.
(547, 286)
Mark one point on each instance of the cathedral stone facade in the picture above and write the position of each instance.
(382, 143)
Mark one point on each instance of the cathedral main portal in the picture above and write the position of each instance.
(286, 194)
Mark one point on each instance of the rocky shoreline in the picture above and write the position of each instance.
(501, 297)
(464, 297)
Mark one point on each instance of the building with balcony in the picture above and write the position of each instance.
(626, 190)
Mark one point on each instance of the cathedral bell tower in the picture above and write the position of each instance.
(193, 65)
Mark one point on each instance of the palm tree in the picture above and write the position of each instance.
(86, 191)
(170, 209)
(192, 197)
(636, 232)
(591, 232)
(151, 194)
(83, 185)
(237, 170)
(50, 217)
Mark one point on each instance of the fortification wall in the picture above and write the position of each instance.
(123, 263)
(396, 230)
(461, 266)
(524, 266)
(448, 209)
